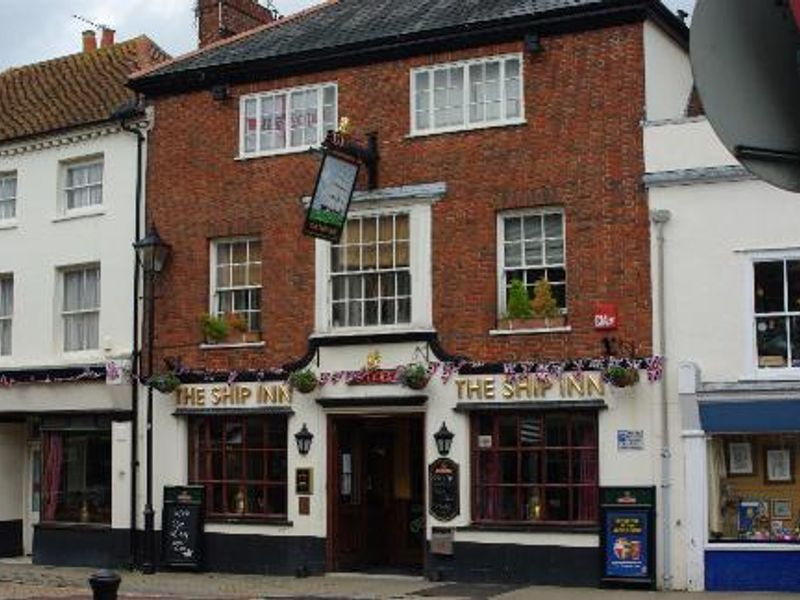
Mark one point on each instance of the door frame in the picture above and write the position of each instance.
(28, 518)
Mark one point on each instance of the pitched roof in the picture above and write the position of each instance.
(359, 24)
(71, 91)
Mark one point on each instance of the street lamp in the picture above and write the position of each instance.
(444, 439)
(152, 253)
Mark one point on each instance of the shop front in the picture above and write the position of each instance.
(472, 472)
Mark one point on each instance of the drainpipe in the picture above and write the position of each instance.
(133, 112)
(660, 218)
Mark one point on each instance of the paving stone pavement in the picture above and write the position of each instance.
(19, 581)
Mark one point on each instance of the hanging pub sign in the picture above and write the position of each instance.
(327, 211)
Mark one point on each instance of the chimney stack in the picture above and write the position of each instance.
(89, 41)
(107, 37)
(219, 19)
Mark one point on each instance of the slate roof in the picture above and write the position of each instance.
(71, 91)
(338, 24)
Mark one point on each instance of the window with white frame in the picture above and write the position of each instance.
(6, 313)
(287, 120)
(370, 272)
(531, 247)
(83, 184)
(776, 310)
(467, 94)
(237, 281)
(80, 308)
(8, 196)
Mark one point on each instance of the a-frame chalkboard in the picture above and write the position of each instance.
(182, 527)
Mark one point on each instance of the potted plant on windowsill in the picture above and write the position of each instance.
(413, 375)
(238, 330)
(304, 381)
(518, 307)
(621, 376)
(544, 306)
(214, 328)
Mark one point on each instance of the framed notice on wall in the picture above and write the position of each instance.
(327, 211)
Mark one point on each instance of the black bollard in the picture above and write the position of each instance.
(105, 584)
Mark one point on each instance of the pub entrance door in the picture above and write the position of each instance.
(376, 500)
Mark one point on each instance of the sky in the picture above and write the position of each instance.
(36, 30)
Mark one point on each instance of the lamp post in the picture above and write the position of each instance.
(152, 253)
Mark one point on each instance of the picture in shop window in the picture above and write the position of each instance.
(753, 494)
(535, 468)
(777, 313)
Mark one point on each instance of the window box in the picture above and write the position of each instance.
(533, 323)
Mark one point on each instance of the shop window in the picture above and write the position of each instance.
(236, 281)
(77, 476)
(535, 467)
(241, 463)
(531, 247)
(467, 95)
(83, 184)
(80, 308)
(754, 494)
(776, 309)
(6, 313)
(8, 196)
(287, 120)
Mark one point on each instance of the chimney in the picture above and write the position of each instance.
(219, 19)
(107, 37)
(89, 41)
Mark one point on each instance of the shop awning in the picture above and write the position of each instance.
(754, 416)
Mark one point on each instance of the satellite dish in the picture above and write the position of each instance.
(745, 62)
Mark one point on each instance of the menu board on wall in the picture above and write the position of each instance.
(445, 500)
(182, 527)
(626, 544)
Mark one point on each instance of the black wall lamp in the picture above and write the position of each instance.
(533, 43)
(444, 439)
(303, 439)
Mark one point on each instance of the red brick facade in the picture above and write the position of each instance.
(581, 149)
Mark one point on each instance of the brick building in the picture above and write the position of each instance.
(510, 149)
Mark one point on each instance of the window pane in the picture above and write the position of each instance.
(769, 288)
(512, 229)
(552, 225)
(771, 341)
(793, 281)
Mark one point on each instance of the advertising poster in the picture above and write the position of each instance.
(626, 544)
(327, 212)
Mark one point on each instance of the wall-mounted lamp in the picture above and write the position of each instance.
(303, 439)
(533, 43)
(444, 439)
(219, 92)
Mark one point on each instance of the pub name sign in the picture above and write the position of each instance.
(237, 395)
(530, 387)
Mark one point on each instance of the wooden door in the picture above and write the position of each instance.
(349, 540)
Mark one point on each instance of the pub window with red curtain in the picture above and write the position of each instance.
(241, 463)
(535, 467)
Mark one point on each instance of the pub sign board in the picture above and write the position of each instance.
(182, 527)
(327, 211)
(627, 545)
(444, 489)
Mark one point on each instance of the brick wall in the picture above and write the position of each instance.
(218, 19)
(581, 149)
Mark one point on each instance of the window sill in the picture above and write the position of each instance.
(277, 521)
(232, 345)
(531, 331)
(79, 214)
(281, 152)
(468, 128)
(531, 528)
(8, 224)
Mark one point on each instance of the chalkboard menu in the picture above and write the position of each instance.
(182, 527)
(445, 501)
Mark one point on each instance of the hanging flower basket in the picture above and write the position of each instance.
(414, 376)
(304, 381)
(620, 376)
(166, 383)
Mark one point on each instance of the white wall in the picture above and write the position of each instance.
(40, 241)
(12, 467)
(668, 77)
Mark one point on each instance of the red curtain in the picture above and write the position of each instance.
(54, 460)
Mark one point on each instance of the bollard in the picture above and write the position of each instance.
(105, 584)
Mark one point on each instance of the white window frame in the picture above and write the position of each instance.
(501, 268)
(84, 162)
(12, 200)
(751, 368)
(62, 313)
(503, 121)
(214, 287)
(419, 260)
(288, 148)
(5, 279)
